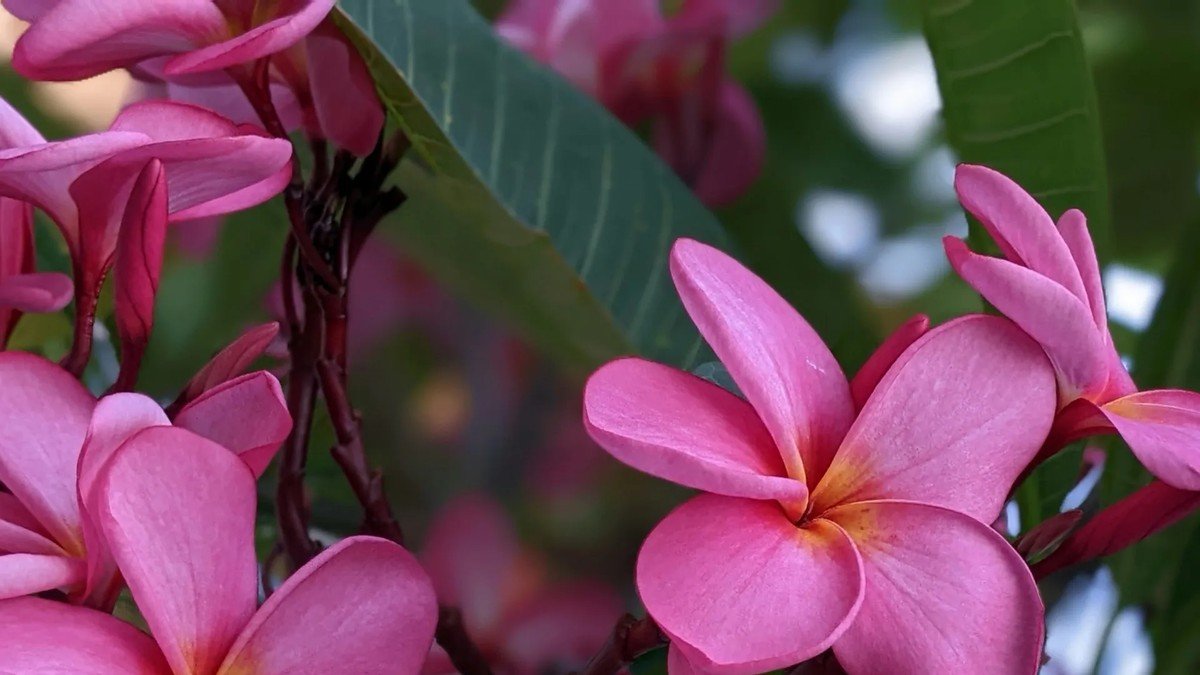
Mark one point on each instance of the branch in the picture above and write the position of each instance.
(452, 636)
(631, 638)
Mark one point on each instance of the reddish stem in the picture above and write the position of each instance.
(452, 636)
(631, 638)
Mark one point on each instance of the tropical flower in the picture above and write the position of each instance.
(819, 528)
(1049, 284)
(22, 289)
(57, 440)
(178, 513)
(523, 624)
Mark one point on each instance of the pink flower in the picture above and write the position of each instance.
(177, 511)
(819, 528)
(58, 439)
(643, 66)
(21, 288)
(1049, 284)
(523, 625)
(76, 39)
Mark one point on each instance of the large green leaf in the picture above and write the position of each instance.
(526, 195)
(1018, 97)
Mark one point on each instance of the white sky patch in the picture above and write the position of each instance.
(1132, 295)
(842, 227)
(890, 94)
(1075, 627)
(1129, 650)
(933, 176)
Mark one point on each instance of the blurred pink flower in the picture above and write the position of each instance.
(819, 529)
(58, 439)
(1049, 284)
(644, 66)
(21, 288)
(523, 624)
(178, 512)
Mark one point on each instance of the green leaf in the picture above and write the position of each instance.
(1018, 97)
(526, 195)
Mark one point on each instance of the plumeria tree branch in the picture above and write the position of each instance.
(452, 636)
(631, 638)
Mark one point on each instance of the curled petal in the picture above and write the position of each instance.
(138, 264)
(343, 91)
(287, 24)
(248, 415)
(944, 594)
(736, 148)
(1073, 228)
(24, 574)
(953, 423)
(776, 358)
(741, 589)
(1162, 427)
(362, 606)
(36, 292)
(881, 360)
(681, 428)
(41, 636)
(17, 537)
(1058, 320)
(229, 362)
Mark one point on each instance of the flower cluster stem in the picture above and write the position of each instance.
(631, 638)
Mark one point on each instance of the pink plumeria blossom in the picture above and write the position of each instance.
(1049, 284)
(178, 513)
(523, 624)
(820, 528)
(22, 289)
(644, 66)
(57, 440)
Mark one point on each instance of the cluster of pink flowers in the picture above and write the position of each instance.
(855, 515)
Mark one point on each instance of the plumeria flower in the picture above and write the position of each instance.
(58, 438)
(523, 625)
(21, 288)
(817, 527)
(178, 513)
(85, 184)
(644, 66)
(1049, 284)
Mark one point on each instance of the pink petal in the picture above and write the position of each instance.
(564, 626)
(944, 594)
(77, 39)
(115, 420)
(44, 413)
(37, 292)
(16, 256)
(178, 513)
(775, 357)
(743, 590)
(41, 636)
(743, 16)
(343, 91)
(20, 538)
(1072, 226)
(474, 561)
(1162, 427)
(362, 606)
(247, 415)
(11, 510)
(953, 423)
(881, 360)
(1058, 320)
(736, 148)
(681, 428)
(1047, 535)
(15, 130)
(230, 361)
(1020, 226)
(138, 264)
(1122, 524)
(29, 10)
(28, 573)
(289, 22)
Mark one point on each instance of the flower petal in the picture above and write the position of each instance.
(77, 39)
(681, 428)
(564, 626)
(362, 606)
(44, 412)
(343, 92)
(1162, 427)
(742, 589)
(1021, 227)
(290, 22)
(16, 537)
(1128, 521)
(41, 636)
(775, 357)
(1058, 320)
(247, 415)
(953, 423)
(178, 513)
(36, 292)
(742, 16)
(737, 148)
(1072, 226)
(24, 574)
(944, 594)
(230, 362)
(881, 359)
(138, 264)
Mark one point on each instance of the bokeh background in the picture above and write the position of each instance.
(858, 179)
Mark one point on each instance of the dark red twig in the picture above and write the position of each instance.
(452, 636)
(631, 638)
